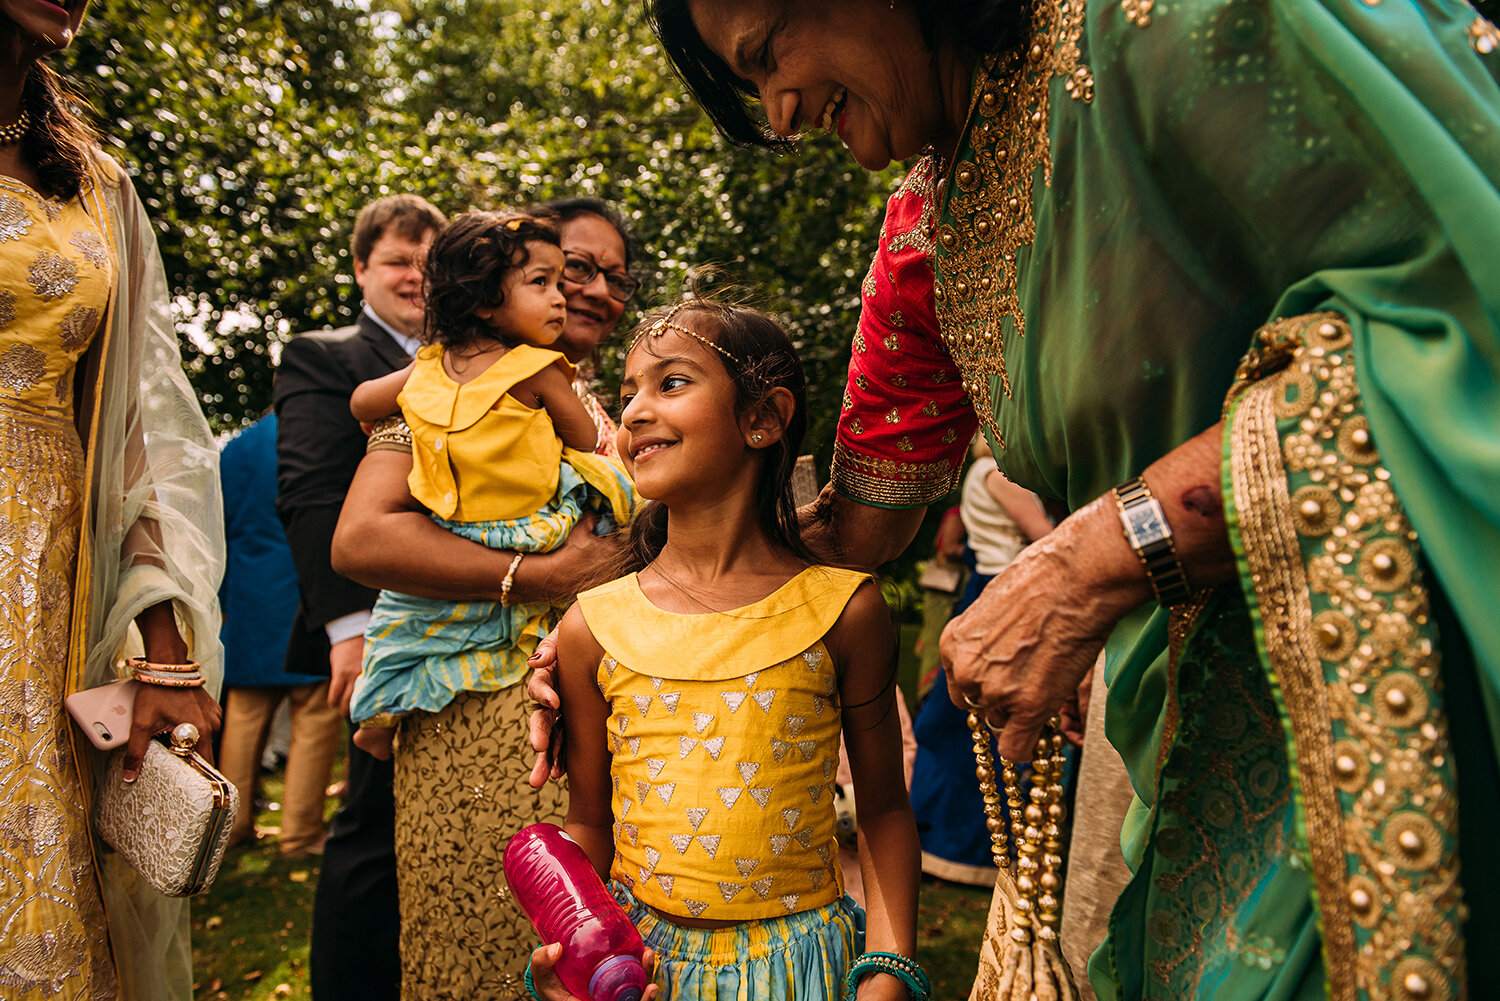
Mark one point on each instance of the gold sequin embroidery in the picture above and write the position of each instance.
(888, 481)
(91, 246)
(52, 275)
(918, 183)
(1483, 36)
(21, 367)
(390, 434)
(1347, 629)
(987, 217)
(14, 219)
(7, 308)
(78, 326)
(55, 946)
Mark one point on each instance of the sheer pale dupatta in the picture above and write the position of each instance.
(152, 532)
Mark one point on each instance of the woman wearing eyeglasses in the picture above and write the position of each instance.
(598, 284)
(470, 761)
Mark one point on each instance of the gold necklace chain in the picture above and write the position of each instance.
(13, 132)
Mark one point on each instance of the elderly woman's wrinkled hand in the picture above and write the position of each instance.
(1025, 645)
(543, 731)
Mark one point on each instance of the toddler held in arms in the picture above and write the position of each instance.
(501, 455)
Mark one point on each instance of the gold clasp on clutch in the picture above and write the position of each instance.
(184, 739)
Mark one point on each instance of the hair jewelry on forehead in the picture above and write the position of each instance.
(662, 325)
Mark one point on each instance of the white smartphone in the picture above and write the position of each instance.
(104, 713)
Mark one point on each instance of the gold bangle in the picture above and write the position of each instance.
(191, 667)
(168, 681)
(510, 578)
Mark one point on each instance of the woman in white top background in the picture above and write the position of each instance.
(1000, 520)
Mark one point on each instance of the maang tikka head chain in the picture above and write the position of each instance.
(663, 324)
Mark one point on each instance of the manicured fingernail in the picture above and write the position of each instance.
(127, 776)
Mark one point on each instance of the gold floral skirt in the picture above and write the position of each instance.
(53, 939)
(461, 793)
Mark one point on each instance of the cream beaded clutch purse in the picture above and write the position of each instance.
(172, 823)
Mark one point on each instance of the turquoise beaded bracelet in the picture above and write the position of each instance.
(531, 987)
(903, 968)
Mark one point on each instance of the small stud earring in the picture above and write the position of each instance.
(755, 438)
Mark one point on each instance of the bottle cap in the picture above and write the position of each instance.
(619, 978)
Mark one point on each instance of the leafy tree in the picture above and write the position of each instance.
(257, 129)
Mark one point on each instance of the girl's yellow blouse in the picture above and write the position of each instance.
(724, 731)
(478, 453)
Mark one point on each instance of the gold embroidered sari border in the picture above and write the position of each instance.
(1262, 501)
(1346, 626)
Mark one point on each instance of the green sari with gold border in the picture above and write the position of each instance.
(1291, 205)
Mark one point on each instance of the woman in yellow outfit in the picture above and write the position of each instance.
(109, 515)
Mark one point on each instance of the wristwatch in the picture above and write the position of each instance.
(1146, 530)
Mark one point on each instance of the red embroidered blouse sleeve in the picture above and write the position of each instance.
(906, 421)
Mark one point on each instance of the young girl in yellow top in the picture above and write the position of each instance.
(501, 454)
(705, 694)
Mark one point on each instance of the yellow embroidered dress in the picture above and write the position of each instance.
(94, 527)
(55, 277)
(724, 733)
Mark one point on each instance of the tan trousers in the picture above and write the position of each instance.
(317, 731)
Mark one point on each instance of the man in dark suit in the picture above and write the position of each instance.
(319, 446)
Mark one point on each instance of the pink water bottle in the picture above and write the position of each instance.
(553, 881)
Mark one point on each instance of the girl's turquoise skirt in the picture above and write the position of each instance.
(801, 957)
(421, 652)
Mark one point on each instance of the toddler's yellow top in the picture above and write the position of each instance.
(478, 453)
(724, 734)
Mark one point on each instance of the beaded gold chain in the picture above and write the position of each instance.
(1039, 841)
(14, 132)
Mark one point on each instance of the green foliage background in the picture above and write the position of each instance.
(256, 130)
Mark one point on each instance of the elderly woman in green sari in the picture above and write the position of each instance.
(1220, 275)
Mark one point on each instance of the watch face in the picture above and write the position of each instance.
(1143, 522)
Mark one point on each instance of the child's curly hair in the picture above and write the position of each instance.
(466, 269)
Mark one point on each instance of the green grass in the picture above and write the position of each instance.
(250, 932)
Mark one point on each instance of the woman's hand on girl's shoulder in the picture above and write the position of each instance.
(546, 712)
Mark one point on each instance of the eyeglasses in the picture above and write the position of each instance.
(581, 271)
